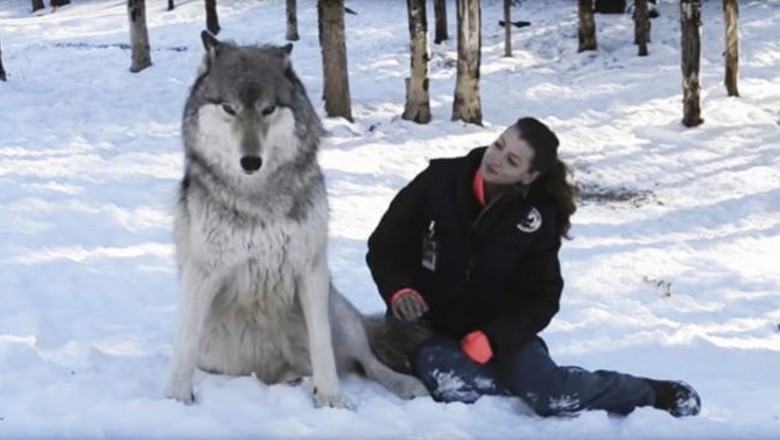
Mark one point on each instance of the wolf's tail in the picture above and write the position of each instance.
(393, 341)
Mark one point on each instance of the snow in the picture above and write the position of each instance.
(676, 279)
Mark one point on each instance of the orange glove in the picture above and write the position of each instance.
(477, 347)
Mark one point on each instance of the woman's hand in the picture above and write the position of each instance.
(408, 305)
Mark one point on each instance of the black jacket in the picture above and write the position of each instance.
(494, 269)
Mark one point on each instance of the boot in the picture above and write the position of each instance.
(675, 397)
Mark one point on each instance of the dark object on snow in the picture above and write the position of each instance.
(349, 11)
(610, 6)
(675, 397)
(517, 24)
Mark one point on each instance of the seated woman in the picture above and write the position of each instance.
(470, 247)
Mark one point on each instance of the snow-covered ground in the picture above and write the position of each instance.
(675, 275)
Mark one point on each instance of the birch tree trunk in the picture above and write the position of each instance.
(587, 26)
(507, 28)
(731, 17)
(334, 61)
(440, 11)
(212, 20)
(139, 36)
(641, 26)
(690, 20)
(171, 5)
(292, 21)
(466, 106)
(418, 108)
(37, 5)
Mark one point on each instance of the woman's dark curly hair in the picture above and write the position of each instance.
(553, 172)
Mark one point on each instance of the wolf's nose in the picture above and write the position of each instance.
(251, 163)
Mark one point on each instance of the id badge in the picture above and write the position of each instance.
(430, 249)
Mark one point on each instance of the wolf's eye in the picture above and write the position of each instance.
(228, 109)
(268, 110)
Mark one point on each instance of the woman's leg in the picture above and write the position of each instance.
(548, 389)
(451, 376)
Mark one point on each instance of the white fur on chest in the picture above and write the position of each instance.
(259, 254)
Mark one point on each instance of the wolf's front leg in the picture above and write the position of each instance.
(195, 297)
(314, 291)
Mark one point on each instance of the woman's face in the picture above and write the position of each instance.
(507, 161)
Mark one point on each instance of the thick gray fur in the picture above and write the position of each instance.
(251, 230)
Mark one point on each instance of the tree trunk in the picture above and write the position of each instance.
(37, 5)
(171, 5)
(334, 61)
(690, 18)
(55, 3)
(440, 11)
(139, 36)
(641, 26)
(587, 29)
(466, 105)
(292, 21)
(418, 107)
(212, 20)
(507, 28)
(731, 16)
(2, 69)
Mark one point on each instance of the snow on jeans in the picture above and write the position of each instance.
(528, 373)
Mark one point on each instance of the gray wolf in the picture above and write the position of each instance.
(251, 232)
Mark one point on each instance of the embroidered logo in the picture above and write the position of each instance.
(532, 222)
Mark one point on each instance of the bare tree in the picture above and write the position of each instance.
(292, 21)
(2, 69)
(731, 15)
(171, 5)
(139, 36)
(212, 19)
(334, 60)
(690, 18)
(37, 5)
(466, 106)
(440, 11)
(641, 26)
(507, 28)
(587, 26)
(418, 107)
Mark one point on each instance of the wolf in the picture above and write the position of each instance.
(250, 233)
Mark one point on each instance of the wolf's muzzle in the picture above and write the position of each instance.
(251, 164)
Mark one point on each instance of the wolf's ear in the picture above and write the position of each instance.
(210, 42)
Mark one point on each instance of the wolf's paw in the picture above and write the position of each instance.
(322, 400)
(407, 387)
(182, 393)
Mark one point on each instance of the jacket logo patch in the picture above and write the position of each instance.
(532, 222)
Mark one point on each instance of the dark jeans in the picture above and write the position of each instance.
(530, 374)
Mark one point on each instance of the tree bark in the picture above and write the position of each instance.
(292, 21)
(212, 19)
(731, 17)
(37, 5)
(171, 5)
(418, 107)
(466, 106)
(2, 69)
(334, 61)
(139, 36)
(440, 11)
(641, 26)
(507, 28)
(587, 26)
(690, 19)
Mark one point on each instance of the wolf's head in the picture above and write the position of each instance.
(248, 114)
